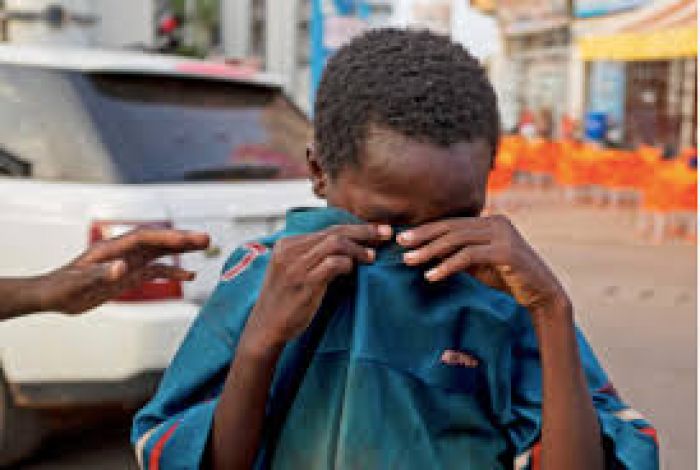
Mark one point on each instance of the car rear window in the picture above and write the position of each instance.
(165, 129)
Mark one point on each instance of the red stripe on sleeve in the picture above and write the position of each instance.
(536, 456)
(651, 432)
(255, 249)
(154, 460)
(239, 267)
(608, 389)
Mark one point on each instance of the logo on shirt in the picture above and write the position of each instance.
(451, 357)
(254, 249)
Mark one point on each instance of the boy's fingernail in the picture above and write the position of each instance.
(432, 274)
(370, 254)
(410, 256)
(384, 231)
(404, 237)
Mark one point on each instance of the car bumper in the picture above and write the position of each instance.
(113, 354)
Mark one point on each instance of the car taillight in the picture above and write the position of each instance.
(159, 289)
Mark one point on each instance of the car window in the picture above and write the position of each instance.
(162, 129)
(44, 125)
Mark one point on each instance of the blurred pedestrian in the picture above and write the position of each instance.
(526, 124)
(101, 273)
(544, 124)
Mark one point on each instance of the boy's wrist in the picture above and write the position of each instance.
(557, 309)
(260, 345)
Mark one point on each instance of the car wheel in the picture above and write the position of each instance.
(21, 429)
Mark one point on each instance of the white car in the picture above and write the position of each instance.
(95, 143)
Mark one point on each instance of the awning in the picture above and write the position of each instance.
(667, 33)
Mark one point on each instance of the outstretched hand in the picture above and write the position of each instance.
(113, 266)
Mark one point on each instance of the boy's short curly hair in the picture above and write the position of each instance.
(417, 83)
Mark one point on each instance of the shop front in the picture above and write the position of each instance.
(537, 46)
(640, 72)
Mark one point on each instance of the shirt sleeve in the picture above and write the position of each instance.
(172, 430)
(629, 440)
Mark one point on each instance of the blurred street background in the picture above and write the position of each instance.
(597, 165)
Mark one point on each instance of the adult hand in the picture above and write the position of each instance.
(489, 248)
(299, 273)
(112, 266)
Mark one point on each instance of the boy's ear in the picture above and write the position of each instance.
(319, 178)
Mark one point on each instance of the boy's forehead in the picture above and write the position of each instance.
(396, 156)
(417, 179)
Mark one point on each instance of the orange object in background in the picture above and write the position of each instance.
(500, 179)
(687, 154)
(538, 156)
(671, 188)
(565, 173)
(649, 154)
(667, 186)
(504, 164)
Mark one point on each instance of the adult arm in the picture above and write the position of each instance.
(101, 273)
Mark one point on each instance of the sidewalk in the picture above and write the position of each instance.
(637, 304)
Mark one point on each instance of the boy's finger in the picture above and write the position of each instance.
(445, 245)
(460, 261)
(337, 245)
(419, 235)
(363, 232)
(330, 268)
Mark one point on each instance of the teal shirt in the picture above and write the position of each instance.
(394, 372)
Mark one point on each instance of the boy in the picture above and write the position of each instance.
(395, 328)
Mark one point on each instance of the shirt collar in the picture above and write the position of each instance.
(312, 219)
(305, 220)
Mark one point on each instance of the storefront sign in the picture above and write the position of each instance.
(526, 16)
(591, 8)
(334, 23)
(435, 15)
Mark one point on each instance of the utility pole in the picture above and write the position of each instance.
(235, 27)
(190, 22)
(281, 45)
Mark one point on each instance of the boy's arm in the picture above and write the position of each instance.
(571, 436)
(492, 250)
(297, 277)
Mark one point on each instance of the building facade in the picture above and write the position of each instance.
(537, 54)
(92, 23)
(275, 35)
(637, 66)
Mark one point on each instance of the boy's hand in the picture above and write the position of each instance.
(489, 248)
(299, 273)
